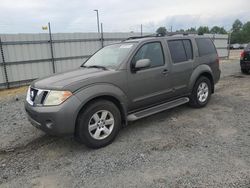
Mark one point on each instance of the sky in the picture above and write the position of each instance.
(28, 16)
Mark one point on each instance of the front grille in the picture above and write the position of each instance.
(36, 96)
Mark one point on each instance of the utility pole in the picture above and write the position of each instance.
(97, 16)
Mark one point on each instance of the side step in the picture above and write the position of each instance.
(156, 109)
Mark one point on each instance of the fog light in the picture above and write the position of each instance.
(49, 124)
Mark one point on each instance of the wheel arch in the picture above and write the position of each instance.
(210, 77)
(203, 70)
(102, 92)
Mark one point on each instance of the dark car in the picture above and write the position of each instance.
(245, 60)
(124, 82)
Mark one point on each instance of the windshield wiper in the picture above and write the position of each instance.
(95, 66)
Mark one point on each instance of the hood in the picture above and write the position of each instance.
(61, 80)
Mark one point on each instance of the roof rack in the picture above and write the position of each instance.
(160, 35)
(145, 36)
(180, 33)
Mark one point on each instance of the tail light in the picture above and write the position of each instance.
(242, 55)
(217, 60)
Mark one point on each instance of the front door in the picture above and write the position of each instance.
(150, 85)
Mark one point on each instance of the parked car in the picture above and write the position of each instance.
(124, 82)
(245, 60)
(235, 46)
(243, 46)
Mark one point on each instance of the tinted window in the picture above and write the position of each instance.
(177, 51)
(205, 46)
(152, 51)
(188, 48)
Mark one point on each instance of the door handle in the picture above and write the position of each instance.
(165, 71)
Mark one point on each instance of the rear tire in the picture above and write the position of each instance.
(99, 124)
(201, 93)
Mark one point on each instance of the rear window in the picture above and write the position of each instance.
(205, 46)
(181, 50)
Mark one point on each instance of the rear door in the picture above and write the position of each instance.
(182, 56)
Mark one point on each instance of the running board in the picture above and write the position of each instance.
(156, 109)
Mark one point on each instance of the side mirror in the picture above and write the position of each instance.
(142, 63)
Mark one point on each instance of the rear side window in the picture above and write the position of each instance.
(181, 50)
(205, 46)
(152, 51)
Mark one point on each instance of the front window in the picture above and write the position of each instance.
(110, 56)
(153, 52)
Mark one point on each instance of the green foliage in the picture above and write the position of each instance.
(192, 29)
(240, 32)
(181, 30)
(237, 26)
(218, 30)
(162, 31)
(202, 29)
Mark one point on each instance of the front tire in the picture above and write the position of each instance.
(99, 124)
(201, 93)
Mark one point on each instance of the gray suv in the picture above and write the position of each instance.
(124, 82)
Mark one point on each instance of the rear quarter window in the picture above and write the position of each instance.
(205, 46)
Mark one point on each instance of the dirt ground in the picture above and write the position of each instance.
(181, 147)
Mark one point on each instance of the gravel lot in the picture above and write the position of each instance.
(182, 147)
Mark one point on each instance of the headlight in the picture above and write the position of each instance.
(57, 97)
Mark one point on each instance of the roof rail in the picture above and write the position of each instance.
(145, 36)
(160, 35)
(180, 33)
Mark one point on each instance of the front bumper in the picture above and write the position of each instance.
(244, 64)
(54, 120)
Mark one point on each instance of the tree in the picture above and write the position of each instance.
(202, 30)
(181, 30)
(162, 31)
(237, 25)
(245, 33)
(218, 30)
(237, 35)
(192, 29)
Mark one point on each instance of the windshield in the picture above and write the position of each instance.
(110, 56)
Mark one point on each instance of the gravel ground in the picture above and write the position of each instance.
(181, 147)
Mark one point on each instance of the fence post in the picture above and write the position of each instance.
(4, 65)
(102, 39)
(228, 46)
(51, 49)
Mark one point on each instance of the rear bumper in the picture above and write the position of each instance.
(244, 64)
(217, 76)
(54, 120)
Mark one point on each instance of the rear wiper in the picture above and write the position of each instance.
(95, 66)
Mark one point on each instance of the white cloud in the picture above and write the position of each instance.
(118, 15)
